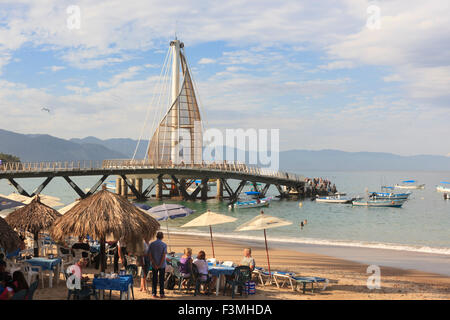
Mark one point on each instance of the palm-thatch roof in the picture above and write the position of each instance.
(106, 214)
(33, 217)
(9, 240)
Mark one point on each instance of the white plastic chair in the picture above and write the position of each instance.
(32, 272)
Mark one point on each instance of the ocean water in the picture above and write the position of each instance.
(420, 228)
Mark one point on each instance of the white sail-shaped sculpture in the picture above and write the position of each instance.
(178, 137)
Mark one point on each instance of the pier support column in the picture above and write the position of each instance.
(119, 186)
(219, 194)
(124, 188)
(204, 192)
(158, 189)
(139, 185)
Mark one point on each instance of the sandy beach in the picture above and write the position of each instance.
(348, 280)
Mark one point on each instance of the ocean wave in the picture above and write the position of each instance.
(324, 242)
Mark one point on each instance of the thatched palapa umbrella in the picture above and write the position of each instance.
(9, 240)
(106, 215)
(33, 218)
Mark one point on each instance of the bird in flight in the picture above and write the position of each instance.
(45, 109)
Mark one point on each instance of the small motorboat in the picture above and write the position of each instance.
(335, 199)
(389, 195)
(409, 184)
(445, 189)
(264, 202)
(396, 203)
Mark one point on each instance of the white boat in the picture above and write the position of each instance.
(442, 189)
(389, 195)
(409, 184)
(335, 199)
(250, 204)
(396, 203)
(445, 189)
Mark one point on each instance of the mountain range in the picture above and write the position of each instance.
(42, 147)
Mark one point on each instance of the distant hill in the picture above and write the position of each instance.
(47, 148)
(40, 147)
(335, 160)
(123, 145)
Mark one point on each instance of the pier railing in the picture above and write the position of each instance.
(235, 167)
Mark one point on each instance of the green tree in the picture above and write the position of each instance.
(8, 158)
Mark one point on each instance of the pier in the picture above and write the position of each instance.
(174, 179)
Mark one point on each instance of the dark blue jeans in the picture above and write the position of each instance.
(155, 278)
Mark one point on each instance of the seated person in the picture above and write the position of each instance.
(19, 282)
(202, 267)
(186, 266)
(6, 287)
(78, 267)
(248, 260)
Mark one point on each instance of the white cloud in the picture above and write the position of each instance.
(57, 68)
(338, 65)
(206, 61)
(116, 79)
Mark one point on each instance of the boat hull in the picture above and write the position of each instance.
(442, 189)
(250, 204)
(380, 203)
(420, 186)
(336, 200)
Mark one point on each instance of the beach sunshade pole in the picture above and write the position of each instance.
(267, 253)
(168, 237)
(263, 222)
(102, 255)
(212, 243)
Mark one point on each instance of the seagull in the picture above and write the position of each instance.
(45, 109)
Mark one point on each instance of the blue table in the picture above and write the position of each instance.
(44, 263)
(219, 271)
(47, 264)
(122, 283)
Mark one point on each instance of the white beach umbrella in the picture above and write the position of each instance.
(45, 199)
(263, 222)
(165, 212)
(209, 219)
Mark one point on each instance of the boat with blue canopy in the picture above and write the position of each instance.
(445, 188)
(264, 202)
(409, 184)
(397, 203)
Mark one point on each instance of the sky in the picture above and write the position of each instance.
(353, 75)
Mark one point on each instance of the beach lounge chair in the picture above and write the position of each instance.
(294, 281)
(262, 275)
